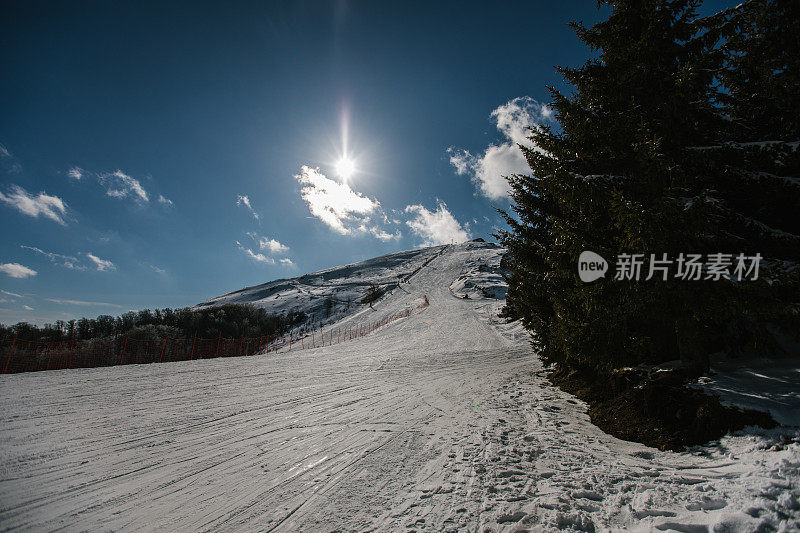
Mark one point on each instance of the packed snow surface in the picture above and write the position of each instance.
(439, 421)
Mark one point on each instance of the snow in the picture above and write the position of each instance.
(443, 420)
(756, 383)
(481, 276)
(344, 286)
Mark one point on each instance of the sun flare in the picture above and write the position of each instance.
(345, 168)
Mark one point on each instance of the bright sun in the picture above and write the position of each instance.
(345, 168)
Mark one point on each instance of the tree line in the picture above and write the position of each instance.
(229, 320)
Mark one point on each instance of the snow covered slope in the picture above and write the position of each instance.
(344, 286)
(441, 421)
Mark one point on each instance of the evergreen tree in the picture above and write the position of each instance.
(752, 175)
(373, 293)
(640, 165)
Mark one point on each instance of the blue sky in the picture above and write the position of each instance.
(158, 154)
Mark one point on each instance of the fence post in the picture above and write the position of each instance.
(191, 357)
(123, 349)
(160, 359)
(241, 343)
(260, 341)
(11, 352)
(219, 340)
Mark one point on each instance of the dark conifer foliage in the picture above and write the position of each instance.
(665, 145)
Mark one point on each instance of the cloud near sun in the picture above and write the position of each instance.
(335, 203)
(349, 212)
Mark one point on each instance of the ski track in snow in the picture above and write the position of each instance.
(439, 421)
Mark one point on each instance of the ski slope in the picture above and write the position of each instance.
(440, 421)
(343, 286)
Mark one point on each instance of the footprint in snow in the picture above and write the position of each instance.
(707, 504)
(511, 517)
(588, 494)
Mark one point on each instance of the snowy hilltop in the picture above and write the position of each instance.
(329, 295)
(442, 420)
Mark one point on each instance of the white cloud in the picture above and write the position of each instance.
(80, 302)
(75, 173)
(268, 245)
(272, 245)
(334, 203)
(158, 270)
(437, 227)
(462, 160)
(27, 308)
(67, 261)
(517, 117)
(384, 235)
(514, 120)
(245, 201)
(261, 258)
(12, 294)
(15, 270)
(51, 207)
(120, 185)
(101, 264)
